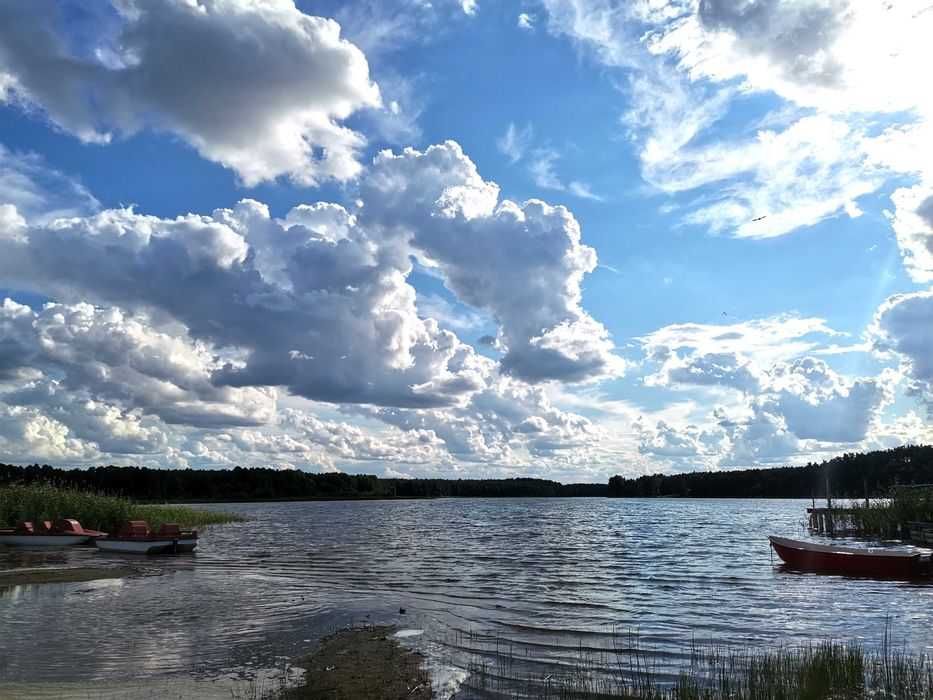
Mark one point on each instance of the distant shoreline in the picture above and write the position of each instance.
(326, 499)
(849, 476)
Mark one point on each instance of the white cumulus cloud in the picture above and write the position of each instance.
(176, 340)
(257, 86)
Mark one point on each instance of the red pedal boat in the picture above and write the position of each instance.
(43, 533)
(877, 561)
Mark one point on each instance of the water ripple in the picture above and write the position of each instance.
(503, 588)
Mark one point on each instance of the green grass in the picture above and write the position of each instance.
(185, 516)
(95, 511)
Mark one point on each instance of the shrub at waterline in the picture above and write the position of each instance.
(46, 502)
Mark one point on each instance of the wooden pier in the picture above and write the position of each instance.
(838, 521)
(831, 521)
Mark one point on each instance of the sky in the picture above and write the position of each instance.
(463, 238)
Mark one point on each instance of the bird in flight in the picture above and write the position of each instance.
(760, 218)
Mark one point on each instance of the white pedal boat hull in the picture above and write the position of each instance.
(42, 540)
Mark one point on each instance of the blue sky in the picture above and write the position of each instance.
(566, 238)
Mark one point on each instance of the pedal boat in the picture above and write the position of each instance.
(62, 532)
(135, 537)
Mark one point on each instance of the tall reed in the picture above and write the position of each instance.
(47, 502)
(889, 517)
(818, 671)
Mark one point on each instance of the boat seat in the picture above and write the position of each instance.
(25, 527)
(135, 528)
(170, 530)
(43, 527)
(67, 525)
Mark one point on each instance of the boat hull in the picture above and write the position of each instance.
(42, 540)
(138, 547)
(186, 545)
(806, 557)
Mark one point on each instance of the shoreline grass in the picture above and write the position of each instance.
(96, 511)
(816, 671)
(889, 517)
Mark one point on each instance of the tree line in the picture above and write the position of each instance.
(256, 484)
(851, 475)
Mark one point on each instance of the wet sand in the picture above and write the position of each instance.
(353, 664)
(19, 577)
(363, 663)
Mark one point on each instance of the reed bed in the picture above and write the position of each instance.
(889, 517)
(156, 514)
(95, 511)
(820, 671)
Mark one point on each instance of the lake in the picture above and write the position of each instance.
(546, 579)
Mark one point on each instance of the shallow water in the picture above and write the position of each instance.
(542, 578)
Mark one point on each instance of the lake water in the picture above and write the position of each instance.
(542, 578)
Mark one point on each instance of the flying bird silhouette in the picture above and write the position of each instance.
(760, 218)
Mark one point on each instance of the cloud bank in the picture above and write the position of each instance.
(180, 331)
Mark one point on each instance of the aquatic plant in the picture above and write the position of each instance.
(43, 501)
(186, 516)
(817, 671)
(889, 517)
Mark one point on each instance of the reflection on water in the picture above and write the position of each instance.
(545, 577)
(13, 591)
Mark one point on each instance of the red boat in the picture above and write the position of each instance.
(877, 561)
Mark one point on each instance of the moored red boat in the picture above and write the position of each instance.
(135, 537)
(42, 533)
(877, 561)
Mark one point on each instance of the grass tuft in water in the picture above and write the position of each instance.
(95, 511)
(820, 671)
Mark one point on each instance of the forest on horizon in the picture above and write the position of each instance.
(851, 475)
